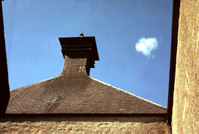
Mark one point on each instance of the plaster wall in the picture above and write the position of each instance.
(84, 125)
(185, 118)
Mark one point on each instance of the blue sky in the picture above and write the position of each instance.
(133, 39)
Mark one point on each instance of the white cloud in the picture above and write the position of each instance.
(146, 45)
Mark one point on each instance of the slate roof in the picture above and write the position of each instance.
(89, 97)
(80, 94)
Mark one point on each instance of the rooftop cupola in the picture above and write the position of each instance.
(79, 53)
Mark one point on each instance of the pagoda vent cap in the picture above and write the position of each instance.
(75, 47)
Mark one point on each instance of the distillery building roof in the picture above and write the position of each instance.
(74, 91)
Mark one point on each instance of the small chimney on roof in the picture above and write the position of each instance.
(76, 48)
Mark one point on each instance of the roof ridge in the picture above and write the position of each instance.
(45, 80)
(128, 92)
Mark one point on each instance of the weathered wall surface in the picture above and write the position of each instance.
(86, 125)
(83, 128)
(65, 127)
(185, 119)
